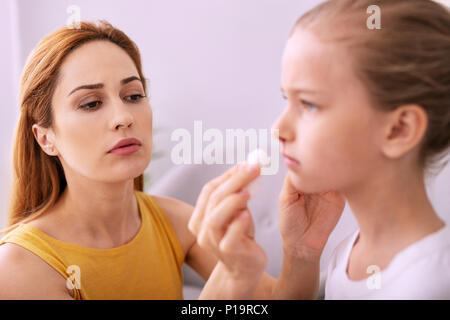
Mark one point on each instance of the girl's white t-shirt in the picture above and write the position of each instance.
(420, 271)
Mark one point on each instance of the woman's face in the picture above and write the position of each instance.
(99, 100)
(328, 125)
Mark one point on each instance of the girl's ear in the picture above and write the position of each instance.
(405, 130)
(45, 138)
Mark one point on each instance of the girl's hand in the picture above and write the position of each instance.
(224, 226)
(306, 220)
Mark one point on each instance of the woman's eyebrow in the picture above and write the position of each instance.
(87, 86)
(101, 85)
(129, 79)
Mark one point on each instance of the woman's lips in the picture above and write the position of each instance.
(126, 146)
(126, 149)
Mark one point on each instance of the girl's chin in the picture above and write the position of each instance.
(304, 185)
(297, 181)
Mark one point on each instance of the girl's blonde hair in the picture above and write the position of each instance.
(38, 179)
(406, 61)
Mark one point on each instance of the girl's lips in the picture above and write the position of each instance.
(126, 149)
(290, 162)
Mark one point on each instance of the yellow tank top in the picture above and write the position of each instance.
(147, 267)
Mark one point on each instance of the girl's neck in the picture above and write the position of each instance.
(393, 209)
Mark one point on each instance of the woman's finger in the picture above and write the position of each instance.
(334, 197)
(235, 234)
(288, 192)
(238, 180)
(217, 221)
(196, 219)
(251, 227)
(238, 249)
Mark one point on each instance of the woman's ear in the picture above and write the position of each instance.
(406, 127)
(45, 138)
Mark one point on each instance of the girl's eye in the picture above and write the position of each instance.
(134, 97)
(309, 105)
(91, 105)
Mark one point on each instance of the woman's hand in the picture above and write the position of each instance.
(224, 226)
(306, 220)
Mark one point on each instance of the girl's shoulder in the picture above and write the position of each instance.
(342, 250)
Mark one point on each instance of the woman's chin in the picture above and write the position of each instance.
(123, 174)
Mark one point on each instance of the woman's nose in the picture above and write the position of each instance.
(122, 116)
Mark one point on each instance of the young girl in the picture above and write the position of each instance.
(367, 114)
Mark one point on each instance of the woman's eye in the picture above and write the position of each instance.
(134, 97)
(90, 105)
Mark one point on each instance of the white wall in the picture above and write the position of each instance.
(212, 60)
(185, 46)
(9, 64)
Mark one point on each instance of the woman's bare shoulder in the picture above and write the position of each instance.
(174, 206)
(26, 276)
(178, 213)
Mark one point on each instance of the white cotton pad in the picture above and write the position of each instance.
(257, 156)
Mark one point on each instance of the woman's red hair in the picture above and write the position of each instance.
(38, 179)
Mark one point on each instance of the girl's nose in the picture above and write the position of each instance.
(284, 125)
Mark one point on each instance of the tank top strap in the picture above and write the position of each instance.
(161, 221)
(26, 237)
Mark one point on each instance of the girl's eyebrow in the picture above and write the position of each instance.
(298, 90)
(101, 85)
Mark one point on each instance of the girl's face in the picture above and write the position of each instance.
(328, 125)
(99, 100)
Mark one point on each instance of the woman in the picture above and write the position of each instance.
(80, 226)
(368, 115)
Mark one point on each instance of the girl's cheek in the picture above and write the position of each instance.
(308, 137)
(317, 144)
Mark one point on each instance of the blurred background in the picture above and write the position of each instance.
(217, 61)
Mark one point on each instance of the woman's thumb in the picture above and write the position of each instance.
(238, 229)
